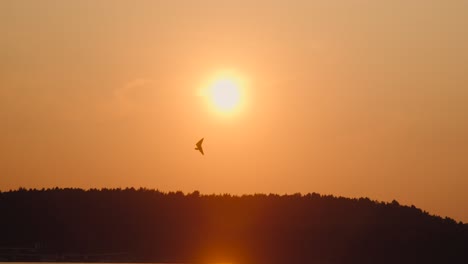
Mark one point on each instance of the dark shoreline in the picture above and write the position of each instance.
(148, 226)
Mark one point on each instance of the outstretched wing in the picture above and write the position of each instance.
(199, 146)
(199, 143)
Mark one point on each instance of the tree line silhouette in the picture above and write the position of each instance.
(153, 226)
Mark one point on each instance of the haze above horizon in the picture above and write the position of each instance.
(350, 98)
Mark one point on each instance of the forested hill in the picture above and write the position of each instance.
(152, 226)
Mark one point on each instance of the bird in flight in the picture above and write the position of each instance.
(199, 146)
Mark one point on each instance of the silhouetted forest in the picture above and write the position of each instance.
(152, 226)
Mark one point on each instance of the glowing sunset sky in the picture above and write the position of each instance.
(351, 98)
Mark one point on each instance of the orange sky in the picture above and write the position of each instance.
(351, 98)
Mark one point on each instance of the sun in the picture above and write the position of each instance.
(225, 92)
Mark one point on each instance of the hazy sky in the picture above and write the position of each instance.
(351, 98)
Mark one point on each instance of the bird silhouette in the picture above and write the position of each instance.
(199, 146)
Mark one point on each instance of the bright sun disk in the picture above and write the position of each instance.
(225, 94)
